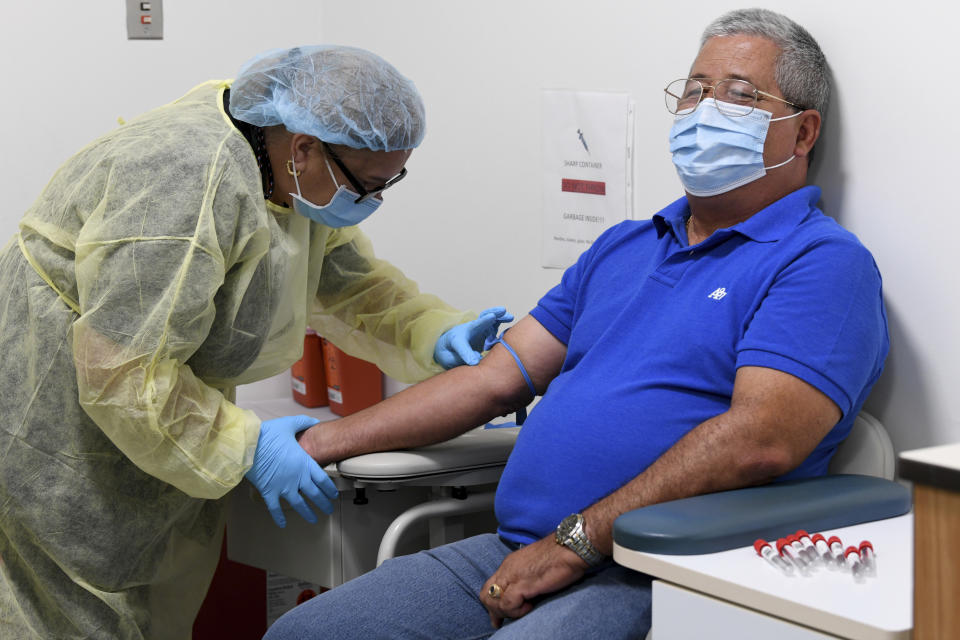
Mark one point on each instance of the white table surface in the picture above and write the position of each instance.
(946, 456)
(878, 607)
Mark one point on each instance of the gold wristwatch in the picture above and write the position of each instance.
(571, 534)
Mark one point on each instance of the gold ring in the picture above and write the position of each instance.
(494, 591)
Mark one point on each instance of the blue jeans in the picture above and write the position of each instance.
(433, 595)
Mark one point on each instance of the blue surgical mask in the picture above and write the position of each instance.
(341, 211)
(715, 153)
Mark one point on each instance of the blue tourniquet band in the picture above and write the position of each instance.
(522, 412)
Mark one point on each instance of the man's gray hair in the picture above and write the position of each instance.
(801, 68)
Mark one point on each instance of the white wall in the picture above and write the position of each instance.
(69, 72)
(466, 223)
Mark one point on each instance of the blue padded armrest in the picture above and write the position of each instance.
(730, 519)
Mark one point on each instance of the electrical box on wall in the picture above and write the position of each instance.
(144, 19)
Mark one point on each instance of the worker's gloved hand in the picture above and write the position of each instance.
(464, 343)
(282, 469)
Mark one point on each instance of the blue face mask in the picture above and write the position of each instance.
(715, 153)
(341, 211)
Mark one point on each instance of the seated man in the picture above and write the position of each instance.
(729, 341)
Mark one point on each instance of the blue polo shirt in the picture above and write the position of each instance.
(656, 329)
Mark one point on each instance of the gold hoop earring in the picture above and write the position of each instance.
(291, 170)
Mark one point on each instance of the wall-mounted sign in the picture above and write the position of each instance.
(587, 169)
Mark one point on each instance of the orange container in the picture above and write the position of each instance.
(352, 384)
(307, 374)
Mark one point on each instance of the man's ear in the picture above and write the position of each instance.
(807, 133)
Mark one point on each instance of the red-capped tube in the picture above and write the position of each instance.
(808, 549)
(867, 555)
(820, 544)
(786, 550)
(765, 551)
(853, 562)
(836, 548)
(797, 546)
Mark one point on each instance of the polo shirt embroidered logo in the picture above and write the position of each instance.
(718, 294)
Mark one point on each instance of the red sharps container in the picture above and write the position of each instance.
(352, 384)
(308, 379)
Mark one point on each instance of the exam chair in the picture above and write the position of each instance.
(462, 473)
(866, 451)
(391, 503)
(859, 488)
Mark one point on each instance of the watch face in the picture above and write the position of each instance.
(567, 526)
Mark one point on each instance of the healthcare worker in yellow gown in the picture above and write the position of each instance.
(167, 262)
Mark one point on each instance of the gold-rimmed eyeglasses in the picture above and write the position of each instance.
(731, 94)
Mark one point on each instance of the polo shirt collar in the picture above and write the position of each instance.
(672, 217)
(770, 224)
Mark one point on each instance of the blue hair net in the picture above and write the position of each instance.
(342, 95)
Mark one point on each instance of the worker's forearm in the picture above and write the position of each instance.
(432, 411)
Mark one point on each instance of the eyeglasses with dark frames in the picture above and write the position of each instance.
(364, 193)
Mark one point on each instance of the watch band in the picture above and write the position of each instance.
(571, 534)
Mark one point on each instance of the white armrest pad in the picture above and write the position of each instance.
(475, 449)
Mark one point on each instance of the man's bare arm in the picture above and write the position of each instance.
(447, 404)
(774, 422)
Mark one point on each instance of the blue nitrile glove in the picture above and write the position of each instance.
(282, 469)
(463, 344)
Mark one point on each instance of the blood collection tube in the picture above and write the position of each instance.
(853, 562)
(765, 551)
(836, 548)
(808, 548)
(820, 544)
(867, 557)
(823, 551)
(798, 547)
(786, 550)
